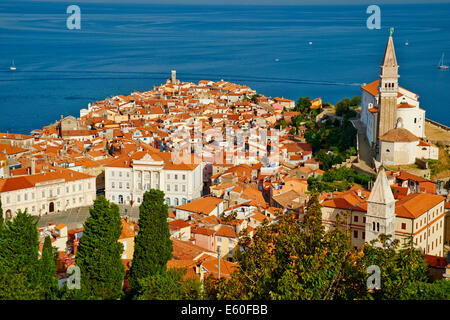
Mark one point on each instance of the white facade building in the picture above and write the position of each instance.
(127, 178)
(46, 193)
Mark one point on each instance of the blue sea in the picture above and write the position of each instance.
(125, 47)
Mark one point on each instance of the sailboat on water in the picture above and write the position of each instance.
(12, 67)
(441, 63)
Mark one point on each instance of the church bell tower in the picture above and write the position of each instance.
(380, 217)
(388, 89)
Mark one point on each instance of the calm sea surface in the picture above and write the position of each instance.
(121, 48)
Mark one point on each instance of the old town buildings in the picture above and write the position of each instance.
(225, 167)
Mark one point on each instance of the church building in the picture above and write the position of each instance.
(393, 118)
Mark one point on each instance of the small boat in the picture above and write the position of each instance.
(277, 59)
(310, 43)
(12, 67)
(406, 43)
(441, 64)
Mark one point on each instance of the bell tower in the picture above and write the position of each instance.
(388, 89)
(380, 217)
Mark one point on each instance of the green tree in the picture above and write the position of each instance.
(169, 285)
(2, 221)
(356, 101)
(303, 105)
(47, 270)
(19, 254)
(438, 290)
(401, 267)
(293, 259)
(99, 252)
(153, 247)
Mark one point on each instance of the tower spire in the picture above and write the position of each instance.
(389, 66)
(388, 89)
(380, 217)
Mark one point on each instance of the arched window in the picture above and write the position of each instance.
(168, 201)
(378, 226)
(183, 201)
(373, 226)
(176, 201)
(387, 150)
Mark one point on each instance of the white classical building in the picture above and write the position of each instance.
(127, 178)
(47, 192)
(393, 118)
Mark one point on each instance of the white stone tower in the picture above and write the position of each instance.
(380, 217)
(174, 76)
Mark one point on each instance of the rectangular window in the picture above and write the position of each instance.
(183, 187)
(355, 234)
(355, 219)
(176, 177)
(168, 187)
(364, 235)
(184, 177)
(403, 226)
(176, 188)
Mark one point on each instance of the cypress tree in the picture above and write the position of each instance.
(47, 269)
(2, 221)
(99, 253)
(19, 254)
(153, 246)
